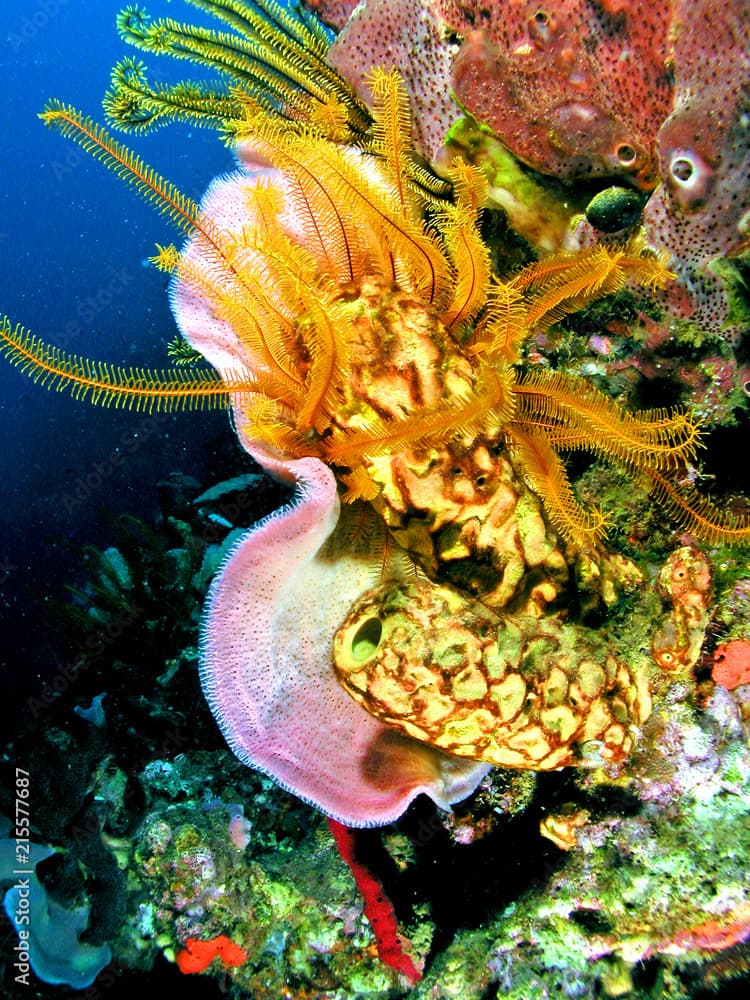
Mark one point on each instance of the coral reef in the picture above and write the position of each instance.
(422, 629)
(637, 924)
(578, 89)
(642, 895)
(282, 910)
(347, 305)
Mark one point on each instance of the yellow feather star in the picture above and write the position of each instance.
(372, 332)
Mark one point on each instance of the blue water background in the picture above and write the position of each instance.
(73, 239)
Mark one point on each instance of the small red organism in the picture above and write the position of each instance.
(716, 935)
(732, 664)
(378, 908)
(197, 955)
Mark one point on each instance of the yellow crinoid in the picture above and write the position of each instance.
(344, 295)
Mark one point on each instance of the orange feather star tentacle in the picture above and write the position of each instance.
(328, 365)
(471, 261)
(390, 136)
(112, 385)
(464, 417)
(357, 205)
(564, 283)
(570, 403)
(469, 254)
(501, 330)
(540, 466)
(256, 323)
(697, 514)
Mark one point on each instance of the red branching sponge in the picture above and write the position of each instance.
(732, 664)
(198, 955)
(378, 908)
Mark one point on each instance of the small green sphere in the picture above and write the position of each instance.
(615, 208)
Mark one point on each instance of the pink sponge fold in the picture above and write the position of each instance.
(266, 666)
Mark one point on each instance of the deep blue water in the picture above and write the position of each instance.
(73, 239)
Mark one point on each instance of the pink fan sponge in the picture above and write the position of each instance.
(285, 588)
(266, 655)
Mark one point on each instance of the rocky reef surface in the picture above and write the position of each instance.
(585, 882)
(156, 857)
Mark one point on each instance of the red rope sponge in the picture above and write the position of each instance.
(378, 908)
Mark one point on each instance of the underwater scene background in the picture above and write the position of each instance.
(55, 195)
(489, 661)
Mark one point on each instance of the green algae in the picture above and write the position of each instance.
(626, 892)
(538, 208)
(287, 899)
